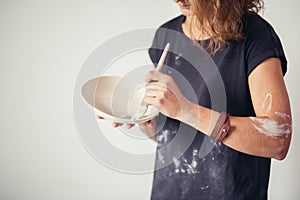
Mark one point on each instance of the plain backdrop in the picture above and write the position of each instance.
(43, 45)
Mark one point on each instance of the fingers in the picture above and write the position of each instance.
(150, 76)
(153, 97)
(156, 89)
(160, 81)
(129, 126)
(116, 124)
(156, 76)
(156, 94)
(155, 86)
(147, 123)
(155, 101)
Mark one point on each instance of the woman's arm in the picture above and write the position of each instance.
(267, 135)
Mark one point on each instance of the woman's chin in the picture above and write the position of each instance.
(185, 11)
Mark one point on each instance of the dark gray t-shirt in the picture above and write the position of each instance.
(183, 170)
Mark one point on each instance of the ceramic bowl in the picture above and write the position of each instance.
(116, 98)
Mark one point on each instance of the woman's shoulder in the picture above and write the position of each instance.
(174, 24)
(261, 42)
(255, 26)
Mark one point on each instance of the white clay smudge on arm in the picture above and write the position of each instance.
(271, 127)
(283, 115)
(267, 103)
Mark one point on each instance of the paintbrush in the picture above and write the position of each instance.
(144, 107)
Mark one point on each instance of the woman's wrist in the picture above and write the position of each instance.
(199, 117)
(149, 128)
(189, 113)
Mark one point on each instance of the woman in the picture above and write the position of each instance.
(256, 125)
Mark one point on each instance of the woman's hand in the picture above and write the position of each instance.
(163, 92)
(148, 128)
(116, 124)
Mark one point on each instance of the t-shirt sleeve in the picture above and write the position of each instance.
(262, 43)
(156, 49)
(153, 52)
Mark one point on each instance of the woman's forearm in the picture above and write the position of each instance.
(149, 129)
(259, 136)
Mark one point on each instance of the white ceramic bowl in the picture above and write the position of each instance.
(116, 98)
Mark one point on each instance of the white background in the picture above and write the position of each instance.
(43, 45)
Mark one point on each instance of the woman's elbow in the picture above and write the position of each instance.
(282, 145)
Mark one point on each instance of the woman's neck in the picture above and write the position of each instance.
(191, 30)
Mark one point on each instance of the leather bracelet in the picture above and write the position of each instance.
(221, 128)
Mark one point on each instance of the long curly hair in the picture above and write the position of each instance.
(221, 19)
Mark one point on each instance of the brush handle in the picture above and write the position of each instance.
(163, 57)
